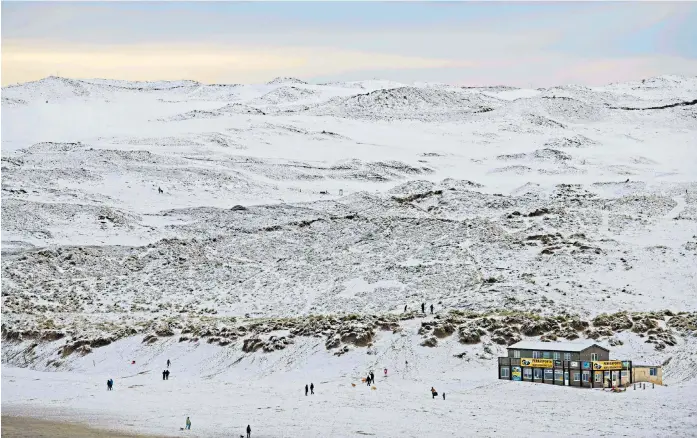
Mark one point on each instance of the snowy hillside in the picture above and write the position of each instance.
(296, 221)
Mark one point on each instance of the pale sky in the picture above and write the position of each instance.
(463, 43)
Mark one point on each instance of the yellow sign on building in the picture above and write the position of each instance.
(608, 365)
(537, 363)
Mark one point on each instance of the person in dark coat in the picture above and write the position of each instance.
(423, 307)
(168, 363)
(405, 308)
(306, 389)
(109, 385)
(167, 375)
(431, 309)
(312, 388)
(249, 431)
(372, 377)
(164, 374)
(443, 396)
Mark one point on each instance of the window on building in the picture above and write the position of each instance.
(558, 375)
(557, 356)
(527, 373)
(653, 371)
(598, 377)
(504, 372)
(538, 373)
(567, 356)
(625, 374)
(516, 354)
(594, 356)
(546, 355)
(536, 355)
(549, 374)
(577, 377)
(586, 376)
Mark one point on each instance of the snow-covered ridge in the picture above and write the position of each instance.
(285, 81)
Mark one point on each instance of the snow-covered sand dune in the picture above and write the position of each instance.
(290, 199)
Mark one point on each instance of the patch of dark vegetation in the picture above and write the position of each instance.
(670, 105)
(417, 196)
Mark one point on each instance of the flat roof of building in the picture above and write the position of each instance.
(554, 346)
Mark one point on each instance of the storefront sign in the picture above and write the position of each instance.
(586, 365)
(607, 365)
(537, 363)
(573, 365)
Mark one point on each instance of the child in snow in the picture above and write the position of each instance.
(188, 423)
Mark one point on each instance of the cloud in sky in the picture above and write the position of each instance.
(469, 43)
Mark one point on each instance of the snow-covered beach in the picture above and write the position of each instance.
(223, 391)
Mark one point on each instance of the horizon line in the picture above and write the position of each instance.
(308, 82)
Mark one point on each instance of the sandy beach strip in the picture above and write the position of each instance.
(26, 427)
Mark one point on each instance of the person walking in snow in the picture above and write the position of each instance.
(167, 375)
(168, 363)
(188, 423)
(249, 431)
(385, 372)
(306, 389)
(109, 385)
(372, 377)
(423, 307)
(312, 388)
(431, 309)
(433, 392)
(405, 308)
(164, 374)
(443, 396)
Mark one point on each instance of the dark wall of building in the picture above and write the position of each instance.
(602, 354)
(583, 355)
(529, 353)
